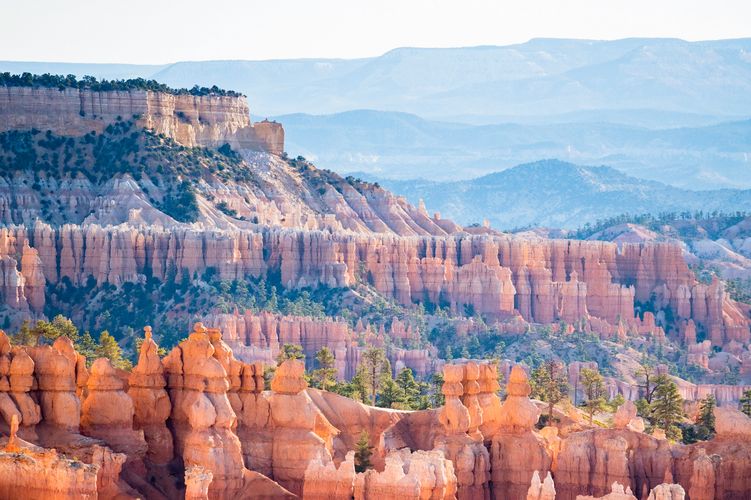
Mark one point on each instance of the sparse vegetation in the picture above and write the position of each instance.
(46, 332)
(62, 82)
(712, 222)
(122, 148)
(594, 392)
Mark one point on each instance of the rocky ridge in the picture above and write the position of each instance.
(543, 281)
(190, 120)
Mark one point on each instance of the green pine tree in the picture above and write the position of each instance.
(392, 396)
(109, 348)
(594, 391)
(25, 335)
(666, 409)
(363, 452)
(550, 385)
(324, 377)
(410, 387)
(745, 403)
(375, 369)
(289, 351)
(436, 396)
(706, 420)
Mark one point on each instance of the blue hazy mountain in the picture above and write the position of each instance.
(540, 78)
(403, 146)
(661, 109)
(553, 193)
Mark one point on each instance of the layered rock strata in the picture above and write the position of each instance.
(517, 451)
(202, 417)
(498, 276)
(210, 120)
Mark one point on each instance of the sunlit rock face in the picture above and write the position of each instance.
(198, 423)
(543, 281)
(210, 120)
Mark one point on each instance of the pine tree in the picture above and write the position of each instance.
(324, 377)
(436, 395)
(363, 452)
(64, 326)
(409, 387)
(647, 375)
(25, 336)
(375, 369)
(745, 403)
(705, 421)
(594, 391)
(108, 348)
(87, 347)
(549, 384)
(616, 402)
(666, 409)
(354, 389)
(289, 351)
(392, 396)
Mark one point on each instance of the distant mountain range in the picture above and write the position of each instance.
(661, 109)
(557, 194)
(540, 78)
(402, 146)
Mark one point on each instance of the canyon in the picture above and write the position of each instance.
(198, 423)
(109, 194)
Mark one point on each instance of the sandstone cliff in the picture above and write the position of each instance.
(543, 281)
(190, 120)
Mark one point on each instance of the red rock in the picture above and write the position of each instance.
(107, 412)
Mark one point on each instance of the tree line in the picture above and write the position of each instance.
(653, 221)
(46, 332)
(62, 82)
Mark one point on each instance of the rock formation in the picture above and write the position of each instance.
(326, 481)
(107, 412)
(197, 481)
(61, 375)
(202, 416)
(625, 418)
(517, 452)
(210, 120)
(462, 442)
(151, 404)
(259, 337)
(43, 475)
(617, 492)
(223, 423)
(541, 490)
(667, 492)
(301, 432)
(524, 273)
(16, 382)
(410, 476)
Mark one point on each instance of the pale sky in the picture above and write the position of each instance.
(162, 31)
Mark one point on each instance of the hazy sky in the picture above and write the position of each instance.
(159, 31)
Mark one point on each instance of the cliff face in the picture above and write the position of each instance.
(543, 281)
(190, 120)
